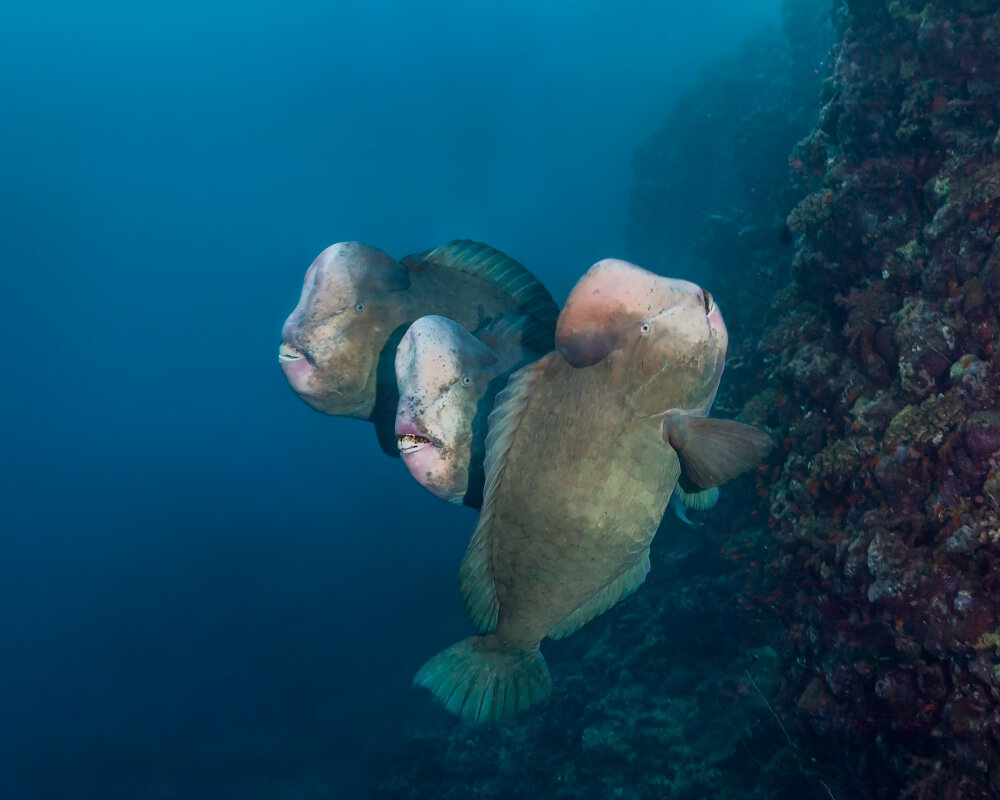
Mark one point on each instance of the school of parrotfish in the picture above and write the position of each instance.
(570, 430)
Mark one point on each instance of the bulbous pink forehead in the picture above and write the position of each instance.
(610, 298)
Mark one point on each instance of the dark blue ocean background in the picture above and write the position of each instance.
(206, 588)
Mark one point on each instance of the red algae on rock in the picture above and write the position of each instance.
(885, 515)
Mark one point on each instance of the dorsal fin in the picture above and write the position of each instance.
(502, 331)
(476, 573)
(513, 330)
(529, 295)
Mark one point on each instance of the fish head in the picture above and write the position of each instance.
(443, 373)
(664, 338)
(353, 297)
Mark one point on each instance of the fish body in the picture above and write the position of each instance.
(339, 343)
(583, 491)
(448, 379)
(582, 459)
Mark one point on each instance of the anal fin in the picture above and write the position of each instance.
(618, 589)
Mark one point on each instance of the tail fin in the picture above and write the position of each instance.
(480, 680)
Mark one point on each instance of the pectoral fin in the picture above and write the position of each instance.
(679, 509)
(681, 501)
(713, 451)
(697, 500)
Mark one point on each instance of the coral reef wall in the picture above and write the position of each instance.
(882, 383)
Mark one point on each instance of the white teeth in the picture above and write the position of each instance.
(411, 443)
(288, 353)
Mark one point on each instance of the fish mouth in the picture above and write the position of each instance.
(712, 312)
(715, 322)
(409, 443)
(410, 439)
(288, 353)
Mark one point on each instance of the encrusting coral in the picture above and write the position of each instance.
(885, 518)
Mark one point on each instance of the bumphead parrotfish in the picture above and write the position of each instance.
(584, 449)
(339, 344)
(448, 380)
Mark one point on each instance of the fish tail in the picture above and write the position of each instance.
(483, 679)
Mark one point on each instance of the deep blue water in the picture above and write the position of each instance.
(206, 588)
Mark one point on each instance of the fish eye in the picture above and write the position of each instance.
(709, 302)
(644, 328)
(359, 307)
(466, 380)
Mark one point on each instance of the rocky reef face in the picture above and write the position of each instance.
(882, 383)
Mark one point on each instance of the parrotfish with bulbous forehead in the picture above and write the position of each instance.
(339, 344)
(585, 447)
(448, 380)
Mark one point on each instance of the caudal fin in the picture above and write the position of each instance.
(480, 680)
